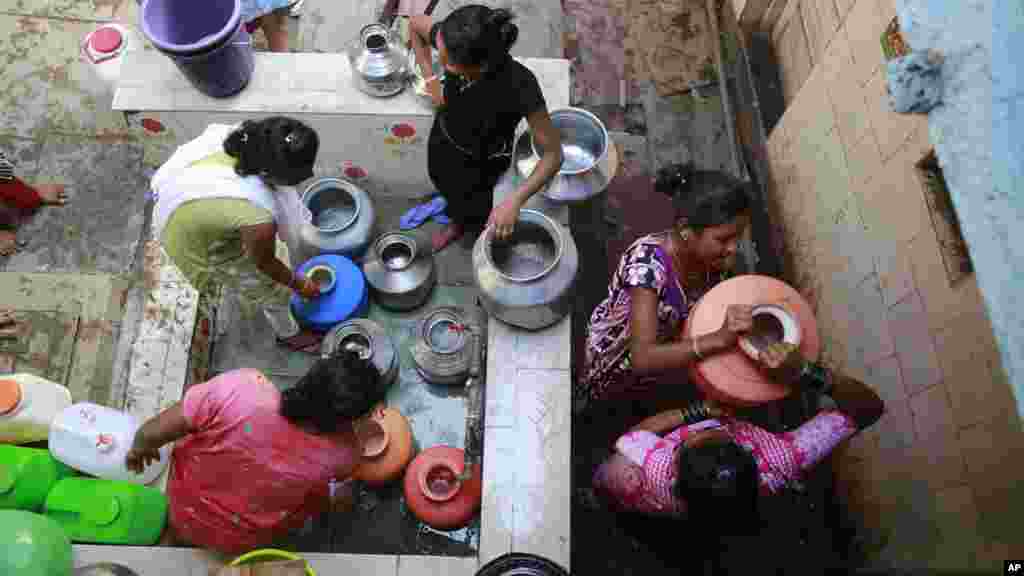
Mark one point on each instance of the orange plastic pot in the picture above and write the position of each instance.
(387, 466)
(435, 494)
(732, 377)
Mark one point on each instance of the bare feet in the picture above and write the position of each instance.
(52, 194)
(446, 236)
(8, 242)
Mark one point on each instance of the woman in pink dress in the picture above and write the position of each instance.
(251, 464)
(703, 464)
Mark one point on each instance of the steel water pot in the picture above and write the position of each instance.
(400, 273)
(448, 345)
(527, 280)
(370, 341)
(379, 65)
(341, 218)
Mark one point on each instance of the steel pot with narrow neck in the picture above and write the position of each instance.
(340, 219)
(379, 66)
(527, 280)
(447, 346)
(400, 274)
(370, 341)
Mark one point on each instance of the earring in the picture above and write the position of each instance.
(684, 234)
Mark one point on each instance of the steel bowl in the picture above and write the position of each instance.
(584, 140)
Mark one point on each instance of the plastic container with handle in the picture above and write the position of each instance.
(33, 545)
(95, 439)
(26, 476)
(28, 404)
(107, 512)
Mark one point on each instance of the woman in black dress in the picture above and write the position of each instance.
(482, 97)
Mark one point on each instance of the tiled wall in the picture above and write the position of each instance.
(934, 484)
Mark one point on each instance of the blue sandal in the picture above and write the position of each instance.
(417, 215)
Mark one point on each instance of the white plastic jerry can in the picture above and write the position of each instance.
(104, 49)
(28, 404)
(95, 439)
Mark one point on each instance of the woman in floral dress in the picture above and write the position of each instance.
(706, 465)
(634, 334)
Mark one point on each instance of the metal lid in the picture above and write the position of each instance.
(106, 40)
(10, 396)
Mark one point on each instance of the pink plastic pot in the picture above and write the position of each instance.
(732, 377)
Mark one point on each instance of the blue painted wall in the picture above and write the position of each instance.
(978, 133)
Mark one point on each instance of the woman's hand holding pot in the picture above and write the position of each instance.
(503, 218)
(306, 288)
(783, 362)
(739, 320)
(140, 455)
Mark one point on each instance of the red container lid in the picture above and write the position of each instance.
(106, 40)
(10, 396)
(732, 377)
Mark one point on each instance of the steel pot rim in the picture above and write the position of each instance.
(375, 28)
(435, 318)
(589, 116)
(321, 184)
(351, 330)
(549, 225)
(390, 239)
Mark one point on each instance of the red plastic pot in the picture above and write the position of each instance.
(732, 377)
(435, 494)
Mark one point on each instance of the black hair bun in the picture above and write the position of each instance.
(671, 180)
(500, 23)
(235, 141)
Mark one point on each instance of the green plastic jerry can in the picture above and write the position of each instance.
(33, 545)
(26, 476)
(107, 511)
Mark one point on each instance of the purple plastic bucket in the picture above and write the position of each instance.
(206, 40)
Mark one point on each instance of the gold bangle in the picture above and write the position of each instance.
(696, 348)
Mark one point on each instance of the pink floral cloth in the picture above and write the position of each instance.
(639, 478)
(645, 264)
(245, 474)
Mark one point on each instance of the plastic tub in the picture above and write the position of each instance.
(206, 40)
(95, 439)
(269, 555)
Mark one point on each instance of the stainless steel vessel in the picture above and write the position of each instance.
(342, 218)
(370, 341)
(379, 65)
(528, 279)
(586, 167)
(399, 273)
(447, 345)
